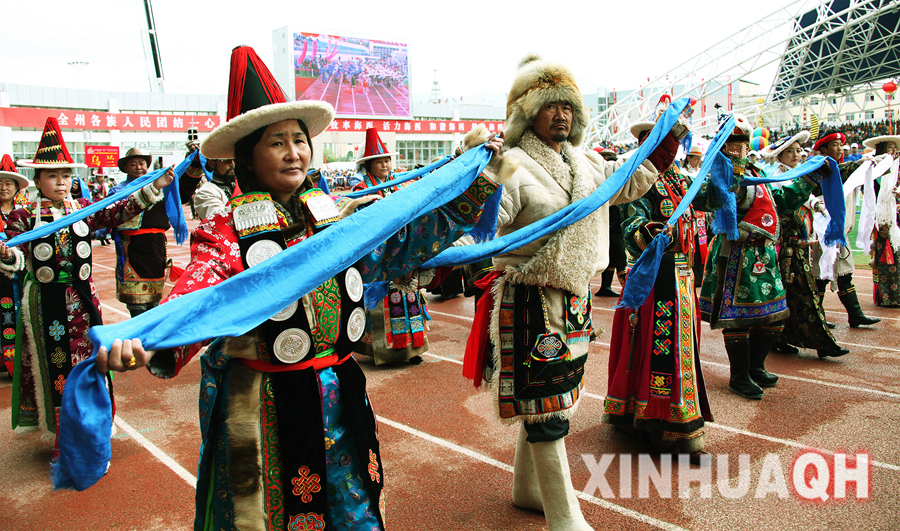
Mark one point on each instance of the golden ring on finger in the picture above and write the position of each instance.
(131, 363)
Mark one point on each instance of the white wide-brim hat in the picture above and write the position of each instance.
(772, 151)
(874, 141)
(316, 115)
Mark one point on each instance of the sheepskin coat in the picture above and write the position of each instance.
(568, 259)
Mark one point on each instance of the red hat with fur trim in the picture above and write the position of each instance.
(255, 100)
(52, 153)
(8, 171)
(374, 147)
(831, 136)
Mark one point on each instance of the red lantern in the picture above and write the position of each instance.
(889, 87)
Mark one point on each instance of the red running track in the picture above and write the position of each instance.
(448, 460)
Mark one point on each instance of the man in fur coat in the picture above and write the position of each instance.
(540, 318)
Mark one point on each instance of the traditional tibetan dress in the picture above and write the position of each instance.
(885, 270)
(742, 285)
(655, 382)
(59, 302)
(289, 437)
(395, 328)
(10, 297)
(141, 249)
(141, 257)
(805, 326)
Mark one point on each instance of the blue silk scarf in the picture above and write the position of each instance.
(832, 191)
(172, 198)
(570, 214)
(399, 179)
(86, 415)
(643, 274)
(484, 230)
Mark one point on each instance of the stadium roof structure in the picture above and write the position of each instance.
(818, 46)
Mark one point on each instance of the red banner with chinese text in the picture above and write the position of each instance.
(69, 119)
(101, 156)
(413, 126)
(104, 121)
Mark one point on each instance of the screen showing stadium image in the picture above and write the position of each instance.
(358, 76)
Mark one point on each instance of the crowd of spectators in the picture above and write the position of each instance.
(855, 133)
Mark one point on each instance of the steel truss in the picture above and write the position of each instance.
(832, 46)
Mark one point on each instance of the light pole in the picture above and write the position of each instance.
(77, 65)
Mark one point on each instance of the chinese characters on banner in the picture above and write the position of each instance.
(104, 121)
(412, 126)
(101, 156)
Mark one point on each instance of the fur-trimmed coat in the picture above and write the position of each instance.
(543, 185)
(565, 260)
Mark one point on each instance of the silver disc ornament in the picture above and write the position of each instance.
(262, 251)
(356, 324)
(43, 251)
(354, 284)
(291, 345)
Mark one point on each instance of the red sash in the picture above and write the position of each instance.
(316, 363)
(475, 358)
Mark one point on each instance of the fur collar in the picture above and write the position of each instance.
(569, 259)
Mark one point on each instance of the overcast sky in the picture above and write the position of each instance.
(474, 45)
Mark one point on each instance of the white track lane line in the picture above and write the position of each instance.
(798, 378)
(157, 453)
(507, 468)
(838, 312)
(820, 382)
(116, 310)
(786, 442)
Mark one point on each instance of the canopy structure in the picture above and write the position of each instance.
(814, 48)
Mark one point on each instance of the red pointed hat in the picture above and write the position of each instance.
(256, 100)
(8, 171)
(374, 147)
(51, 152)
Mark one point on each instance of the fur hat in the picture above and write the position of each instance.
(256, 100)
(772, 151)
(133, 153)
(52, 153)
(8, 171)
(537, 83)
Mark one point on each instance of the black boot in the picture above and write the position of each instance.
(606, 284)
(760, 345)
(821, 285)
(739, 359)
(833, 351)
(855, 315)
(783, 348)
